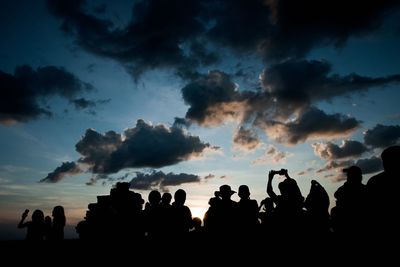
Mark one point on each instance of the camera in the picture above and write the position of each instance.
(281, 172)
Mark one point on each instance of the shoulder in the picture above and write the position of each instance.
(376, 179)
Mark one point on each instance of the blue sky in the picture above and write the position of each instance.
(307, 73)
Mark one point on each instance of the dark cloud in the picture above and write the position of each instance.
(370, 165)
(161, 180)
(66, 169)
(177, 33)
(23, 94)
(367, 165)
(382, 136)
(285, 105)
(160, 34)
(296, 84)
(284, 28)
(144, 145)
(332, 165)
(246, 139)
(83, 103)
(312, 124)
(348, 148)
(181, 122)
(213, 99)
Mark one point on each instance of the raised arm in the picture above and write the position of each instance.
(21, 223)
(270, 191)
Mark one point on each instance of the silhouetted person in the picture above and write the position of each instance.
(288, 205)
(348, 216)
(181, 215)
(267, 217)
(247, 217)
(317, 207)
(225, 214)
(197, 234)
(36, 227)
(153, 215)
(383, 195)
(210, 219)
(58, 224)
(47, 226)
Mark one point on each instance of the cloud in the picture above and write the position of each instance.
(246, 139)
(272, 156)
(332, 165)
(212, 99)
(305, 172)
(181, 122)
(22, 94)
(209, 176)
(284, 107)
(370, 165)
(161, 180)
(160, 34)
(312, 124)
(82, 103)
(144, 145)
(348, 148)
(296, 84)
(178, 33)
(279, 29)
(66, 169)
(382, 136)
(367, 165)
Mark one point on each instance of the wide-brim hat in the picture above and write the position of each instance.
(226, 189)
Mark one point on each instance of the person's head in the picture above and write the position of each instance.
(166, 198)
(391, 159)
(154, 197)
(58, 211)
(38, 216)
(354, 174)
(196, 223)
(244, 192)
(180, 196)
(290, 190)
(225, 191)
(268, 204)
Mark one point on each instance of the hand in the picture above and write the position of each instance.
(25, 213)
(271, 174)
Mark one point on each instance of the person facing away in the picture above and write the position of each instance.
(181, 214)
(383, 195)
(317, 210)
(36, 228)
(348, 216)
(225, 212)
(58, 223)
(288, 205)
(247, 212)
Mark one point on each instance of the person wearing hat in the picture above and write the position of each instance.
(224, 213)
(349, 213)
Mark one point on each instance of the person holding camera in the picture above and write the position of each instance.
(288, 205)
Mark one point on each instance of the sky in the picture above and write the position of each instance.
(169, 94)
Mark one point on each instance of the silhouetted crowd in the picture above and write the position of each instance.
(361, 211)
